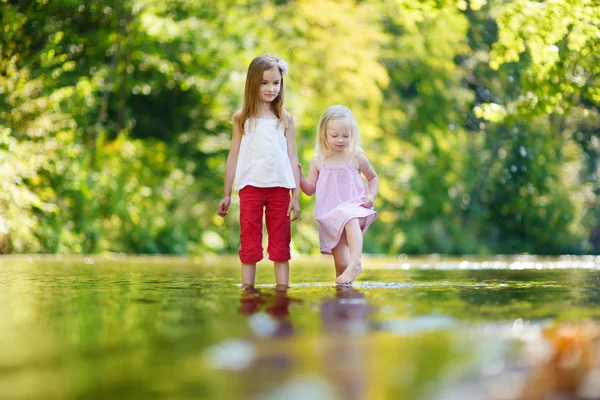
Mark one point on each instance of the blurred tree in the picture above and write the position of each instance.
(545, 53)
(424, 115)
(481, 118)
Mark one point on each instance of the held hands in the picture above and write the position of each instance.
(223, 206)
(368, 201)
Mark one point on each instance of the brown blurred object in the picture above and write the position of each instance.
(573, 355)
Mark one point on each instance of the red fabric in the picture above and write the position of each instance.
(274, 202)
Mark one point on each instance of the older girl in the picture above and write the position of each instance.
(262, 153)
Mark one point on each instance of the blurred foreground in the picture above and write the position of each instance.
(430, 328)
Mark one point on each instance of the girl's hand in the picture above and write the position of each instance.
(294, 207)
(368, 201)
(223, 206)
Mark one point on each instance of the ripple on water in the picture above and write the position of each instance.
(380, 285)
(524, 262)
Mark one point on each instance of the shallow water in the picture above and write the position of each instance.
(429, 328)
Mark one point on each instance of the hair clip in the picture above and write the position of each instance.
(283, 66)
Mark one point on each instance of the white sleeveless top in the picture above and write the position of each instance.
(263, 158)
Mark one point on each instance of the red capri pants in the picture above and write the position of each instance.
(275, 201)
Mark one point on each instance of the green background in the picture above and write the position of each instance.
(481, 118)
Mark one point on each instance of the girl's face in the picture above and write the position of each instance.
(271, 85)
(339, 134)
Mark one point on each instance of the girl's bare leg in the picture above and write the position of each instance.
(354, 236)
(282, 273)
(248, 274)
(341, 255)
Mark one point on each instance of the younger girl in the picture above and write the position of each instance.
(263, 150)
(344, 205)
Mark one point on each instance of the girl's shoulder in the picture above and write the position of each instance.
(237, 116)
(287, 119)
(361, 157)
(236, 121)
(317, 161)
(359, 160)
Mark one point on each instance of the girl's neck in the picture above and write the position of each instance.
(264, 111)
(338, 158)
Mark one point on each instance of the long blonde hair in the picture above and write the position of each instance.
(336, 112)
(251, 104)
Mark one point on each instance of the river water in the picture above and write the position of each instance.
(410, 328)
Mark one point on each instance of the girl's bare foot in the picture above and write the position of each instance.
(281, 288)
(350, 274)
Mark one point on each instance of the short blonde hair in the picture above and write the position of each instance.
(337, 112)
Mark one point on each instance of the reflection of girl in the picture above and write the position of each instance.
(271, 364)
(347, 312)
(275, 304)
(344, 357)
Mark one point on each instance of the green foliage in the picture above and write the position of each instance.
(480, 117)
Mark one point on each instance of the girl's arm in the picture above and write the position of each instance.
(290, 134)
(367, 170)
(309, 185)
(230, 167)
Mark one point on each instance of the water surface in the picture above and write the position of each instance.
(430, 328)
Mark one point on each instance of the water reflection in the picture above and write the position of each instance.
(345, 320)
(158, 330)
(269, 311)
(347, 312)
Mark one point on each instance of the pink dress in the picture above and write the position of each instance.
(340, 192)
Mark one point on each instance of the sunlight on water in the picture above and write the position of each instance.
(515, 263)
(409, 328)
